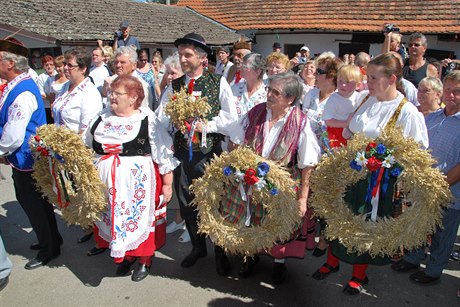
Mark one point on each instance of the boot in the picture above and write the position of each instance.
(222, 263)
(198, 244)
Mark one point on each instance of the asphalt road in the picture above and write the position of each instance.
(75, 279)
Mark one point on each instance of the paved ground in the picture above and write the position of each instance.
(75, 279)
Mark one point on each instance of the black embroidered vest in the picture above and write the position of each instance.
(209, 86)
(139, 146)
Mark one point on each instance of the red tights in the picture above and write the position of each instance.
(359, 270)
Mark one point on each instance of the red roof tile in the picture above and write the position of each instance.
(427, 16)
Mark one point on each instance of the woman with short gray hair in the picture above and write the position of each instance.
(251, 91)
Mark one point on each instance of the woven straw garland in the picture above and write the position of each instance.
(425, 186)
(282, 209)
(83, 197)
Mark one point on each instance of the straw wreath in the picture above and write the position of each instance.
(425, 186)
(278, 197)
(182, 107)
(65, 173)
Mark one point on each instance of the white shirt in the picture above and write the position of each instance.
(218, 124)
(160, 141)
(411, 92)
(76, 109)
(41, 83)
(339, 107)
(372, 117)
(99, 74)
(19, 115)
(243, 102)
(222, 69)
(308, 153)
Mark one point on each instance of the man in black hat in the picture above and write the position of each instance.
(193, 52)
(276, 47)
(21, 113)
(123, 38)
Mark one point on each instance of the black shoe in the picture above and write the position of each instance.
(356, 287)
(124, 268)
(96, 251)
(222, 262)
(141, 272)
(404, 266)
(318, 275)
(85, 238)
(248, 266)
(39, 261)
(192, 258)
(421, 278)
(278, 274)
(317, 252)
(4, 282)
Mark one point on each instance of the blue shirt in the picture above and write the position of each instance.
(444, 138)
(130, 40)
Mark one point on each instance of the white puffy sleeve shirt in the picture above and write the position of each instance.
(118, 130)
(308, 153)
(76, 109)
(373, 116)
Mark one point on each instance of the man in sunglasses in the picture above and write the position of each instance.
(417, 67)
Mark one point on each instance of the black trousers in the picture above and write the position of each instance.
(186, 172)
(40, 213)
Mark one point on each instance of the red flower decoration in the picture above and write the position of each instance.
(139, 194)
(370, 146)
(250, 176)
(37, 138)
(373, 164)
(131, 226)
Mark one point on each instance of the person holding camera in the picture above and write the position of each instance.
(392, 41)
(123, 38)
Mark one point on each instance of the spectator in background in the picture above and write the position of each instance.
(277, 63)
(392, 41)
(410, 91)
(308, 75)
(429, 95)
(276, 47)
(48, 65)
(146, 71)
(240, 49)
(53, 85)
(417, 67)
(223, 62)
(361, 60)
(123, 37)
(99, 71)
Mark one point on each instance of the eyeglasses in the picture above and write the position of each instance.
(116, 94)
(414, 44)
(274, 92)
(69, 65)
(320, 71)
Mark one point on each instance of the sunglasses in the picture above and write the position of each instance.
(320, 71)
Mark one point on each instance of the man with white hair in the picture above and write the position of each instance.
(21, 113)
(125, 63)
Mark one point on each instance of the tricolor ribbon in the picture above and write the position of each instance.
(374, 191)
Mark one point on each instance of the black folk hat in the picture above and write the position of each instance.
(12, 45)
(194, 39)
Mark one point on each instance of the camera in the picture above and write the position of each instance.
(451, 66)
(390, 28)
(117, 34)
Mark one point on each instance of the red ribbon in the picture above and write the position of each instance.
(377, 184)
(237, 77)
(112, 151)
(191, 84)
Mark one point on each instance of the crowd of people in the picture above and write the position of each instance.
(291, 111)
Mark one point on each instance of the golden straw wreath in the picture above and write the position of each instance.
(425, 186)
(65, 173)
(182, 107)
(278, 197)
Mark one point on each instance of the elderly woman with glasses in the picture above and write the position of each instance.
(429, 95)
(251, 91)
(135, 162)
(278, 130)
(79, 101)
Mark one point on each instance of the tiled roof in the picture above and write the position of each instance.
(99, 19)
(427, 16)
